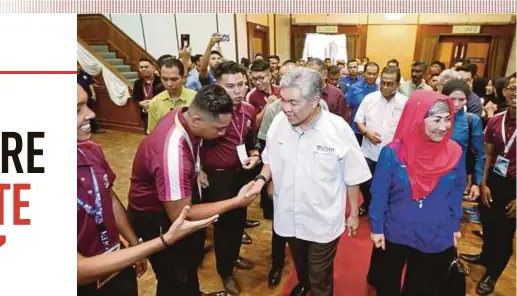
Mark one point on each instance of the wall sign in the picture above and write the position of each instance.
(326, 29)
(466, 29)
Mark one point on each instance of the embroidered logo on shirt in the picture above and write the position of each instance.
(106, 181)
(324, 148)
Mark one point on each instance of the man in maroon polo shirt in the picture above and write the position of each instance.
(332, 95)
(264, 92)
(225, 171)
(498, 193)
(165, 179)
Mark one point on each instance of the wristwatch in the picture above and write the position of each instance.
(260, 177)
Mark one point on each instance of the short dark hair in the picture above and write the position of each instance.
(442, 65)
(366, 58)
(216, 52)
(352, 61)
(473, 68)
(419, 64)
(372, 64)
(163, 58)
(327, 59)
(333, 70)
(288, 62)
(213, 100)
(196, 58)
(227, 68)
(507, 82)
(274, 57)
(463, 69)
(318, 62)
(259, 66)
(171, 63)
(391, 70)
(245, 62)
(145, 60)
(454, 85)
(393, 61)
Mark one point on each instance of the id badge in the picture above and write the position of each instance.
(103, 281)
(242, 153)
(501, 166)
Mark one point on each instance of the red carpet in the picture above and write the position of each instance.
(350, 265)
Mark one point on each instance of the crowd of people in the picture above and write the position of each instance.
(308, 139)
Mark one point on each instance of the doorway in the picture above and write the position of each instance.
(476, 48)
(258, 40)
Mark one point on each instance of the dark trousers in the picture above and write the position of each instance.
(278, 244)
(425, 273)
(122, 284)
(314, 264)
(145, 117)
(359, 138)
(498, 231)
(229, 227)
(175, 267)
(365, 187)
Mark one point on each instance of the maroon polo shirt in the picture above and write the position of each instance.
(335, 99)
(164, 168)
(88, 240)
(493, 135)
(258, 99)
(221, 153)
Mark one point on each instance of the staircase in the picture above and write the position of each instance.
(117, 63)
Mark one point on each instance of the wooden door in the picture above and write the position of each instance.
(473, 47)
(258, 40)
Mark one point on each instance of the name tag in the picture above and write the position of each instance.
(242, 153)
(501, 166)
(103, 281)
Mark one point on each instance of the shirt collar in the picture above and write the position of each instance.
(181, 97)
(82, 160)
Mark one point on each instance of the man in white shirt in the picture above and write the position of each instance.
(314, 161)
(377, 119)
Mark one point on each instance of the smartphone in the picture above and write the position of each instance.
(225, 37)
(185, 41)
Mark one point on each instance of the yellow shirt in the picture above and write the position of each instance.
(162, 103)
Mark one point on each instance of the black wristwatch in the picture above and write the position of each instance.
(260, 177)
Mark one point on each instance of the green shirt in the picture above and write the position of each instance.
(162, 103)
(409, 87)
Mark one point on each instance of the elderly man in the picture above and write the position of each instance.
(314, 160)
(445, 76)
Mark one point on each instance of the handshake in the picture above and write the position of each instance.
(248, 193)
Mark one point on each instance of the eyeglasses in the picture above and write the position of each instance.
(512, 89)
(259, 78)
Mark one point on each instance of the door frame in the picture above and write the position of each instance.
(252, 29)
(464, 47)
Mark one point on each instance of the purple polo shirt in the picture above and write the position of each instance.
(335, 99)
(164, 168)
(88, 239)
(221, 153)
(258, 99)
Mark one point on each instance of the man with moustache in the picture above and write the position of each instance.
(224, 172)
(145, 88)
(358, 91)
(417, 80)
(352, 78)
(377, 119)
(313, 171)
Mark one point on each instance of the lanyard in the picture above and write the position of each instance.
(96, 212)
(242, 127)
(189, 142)
(148, 91)
(503, 132)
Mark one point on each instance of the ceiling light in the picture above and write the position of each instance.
(394, 16)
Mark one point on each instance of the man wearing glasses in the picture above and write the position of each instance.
(377, 119)
(264, 92)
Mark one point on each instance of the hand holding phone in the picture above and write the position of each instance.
(224, 37)
(185, 41)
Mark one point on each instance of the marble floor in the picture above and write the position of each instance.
(120, 147)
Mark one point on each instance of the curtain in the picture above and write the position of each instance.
(496, 57)
(325, 46)
(353, 42)
(429, 46)
(117, 89)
